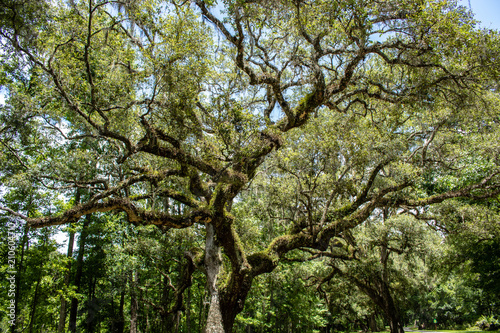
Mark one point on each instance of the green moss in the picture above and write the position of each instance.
(198, 256)
(262, 261)
(304, 107)
(305, 101)
(341, 212)
(212, 204)
(237, 243)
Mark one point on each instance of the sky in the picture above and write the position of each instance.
(486, 11)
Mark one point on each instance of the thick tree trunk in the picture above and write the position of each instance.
(392, 315)
(395, 323)
(229, 309)
(212, 265)
(214, 320)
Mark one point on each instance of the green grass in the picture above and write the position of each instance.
(444, 331)
(459, 331)
(430, 329)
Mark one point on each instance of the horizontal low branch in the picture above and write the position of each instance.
(136, 215)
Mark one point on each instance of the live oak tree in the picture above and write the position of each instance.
(323, 168)
(165, 111)
(389, 264)
(469, 267)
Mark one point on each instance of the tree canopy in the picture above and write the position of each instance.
(267, 127)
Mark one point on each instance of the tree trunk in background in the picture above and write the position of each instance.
(201, 312)
(35, 302)
(78, 277)
(177, 321)
(188, 311)
(392, 314)
(118, 320)
(71, 241)
(167, 322)
(62, 313)
(91, 307)
(121, 322)
(212, 265)
(381, 296)
(20, 268)
(134, 305)
(372, 323)
(388, 304)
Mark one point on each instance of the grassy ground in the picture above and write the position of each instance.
(444, 331)
(447, 331)
(456, 331)
(467, 331)
(462, 331)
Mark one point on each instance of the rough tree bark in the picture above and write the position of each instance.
(212, 265)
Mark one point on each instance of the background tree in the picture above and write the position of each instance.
(466, 291)
(390, 263)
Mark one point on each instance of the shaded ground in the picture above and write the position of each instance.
(407, 329)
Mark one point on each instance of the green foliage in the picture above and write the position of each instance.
(349, 143)
(490, 323)
(284, 299)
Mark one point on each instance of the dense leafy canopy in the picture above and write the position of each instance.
(268, 132)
